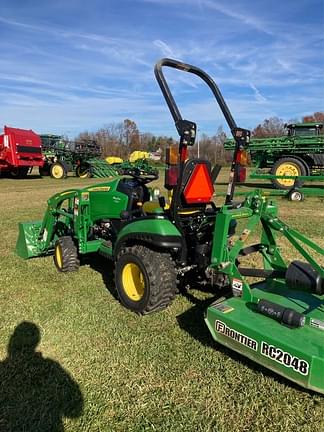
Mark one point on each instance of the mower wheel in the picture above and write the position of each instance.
(146, 280)
(66, 255)
(296, 195)
(58, 171)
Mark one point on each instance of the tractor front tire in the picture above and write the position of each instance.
(58, 170)
(83, 171)
(289, 166)
(146, 280)
(66, 257)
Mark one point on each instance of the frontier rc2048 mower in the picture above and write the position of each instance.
(277, 322)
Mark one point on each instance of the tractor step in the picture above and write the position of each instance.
(295, 353)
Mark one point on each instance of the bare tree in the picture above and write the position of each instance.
(271, 127)
(131, 135)
(316, 117)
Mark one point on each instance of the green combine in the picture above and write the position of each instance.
(157, 243)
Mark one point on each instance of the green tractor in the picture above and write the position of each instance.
(156, 244)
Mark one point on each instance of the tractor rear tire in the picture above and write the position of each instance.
(58, 170)
(83, 171)
(287, 166)
(146, 280)
(66, 257)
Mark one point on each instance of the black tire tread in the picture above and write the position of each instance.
(162, 277)
(70, 258)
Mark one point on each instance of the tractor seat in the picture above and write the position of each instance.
(136, 192)
(152, 207)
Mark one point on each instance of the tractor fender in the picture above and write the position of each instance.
(155, 232)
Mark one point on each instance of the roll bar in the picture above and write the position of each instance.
(187, 129)
(196, 71)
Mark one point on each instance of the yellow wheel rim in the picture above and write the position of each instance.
(83, 173)
(133, 281)
(58, 256)
(57, 171)
(288, 169)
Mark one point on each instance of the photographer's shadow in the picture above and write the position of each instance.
(35, 392)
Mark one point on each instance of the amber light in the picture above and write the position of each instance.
(172, 155)
(242, 157)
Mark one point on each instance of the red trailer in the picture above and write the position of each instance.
(20, 150)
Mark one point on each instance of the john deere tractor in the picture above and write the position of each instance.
(278, 321)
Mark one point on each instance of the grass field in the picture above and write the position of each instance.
(105, 369)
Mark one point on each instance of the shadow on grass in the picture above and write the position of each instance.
(106, 268)
(28, 177)
(36, 392)
(192, 321)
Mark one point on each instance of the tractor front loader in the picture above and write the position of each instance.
(157, 243)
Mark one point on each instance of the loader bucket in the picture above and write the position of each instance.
(28, 244)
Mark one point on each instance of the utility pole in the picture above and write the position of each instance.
(198, 143)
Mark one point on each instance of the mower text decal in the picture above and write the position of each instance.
(222, 328)
(284, 358)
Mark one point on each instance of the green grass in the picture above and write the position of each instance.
(161, 372)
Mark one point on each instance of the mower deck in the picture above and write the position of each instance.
(295, 353)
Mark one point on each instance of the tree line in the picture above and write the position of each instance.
(121, 139)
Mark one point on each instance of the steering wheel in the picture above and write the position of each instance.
(144, 175)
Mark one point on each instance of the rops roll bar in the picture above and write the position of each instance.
(187, 129)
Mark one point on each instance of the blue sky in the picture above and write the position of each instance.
(69, 65)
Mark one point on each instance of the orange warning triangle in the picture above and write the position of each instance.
(199, 188)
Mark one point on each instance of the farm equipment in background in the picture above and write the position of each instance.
(20, 151)
(84, 158)
(135, 157)
(297, 155)
(158, 244)
(81, 157)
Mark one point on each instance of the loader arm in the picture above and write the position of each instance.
(37, 238)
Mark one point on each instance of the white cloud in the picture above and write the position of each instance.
(258, 96)
(166, 50)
